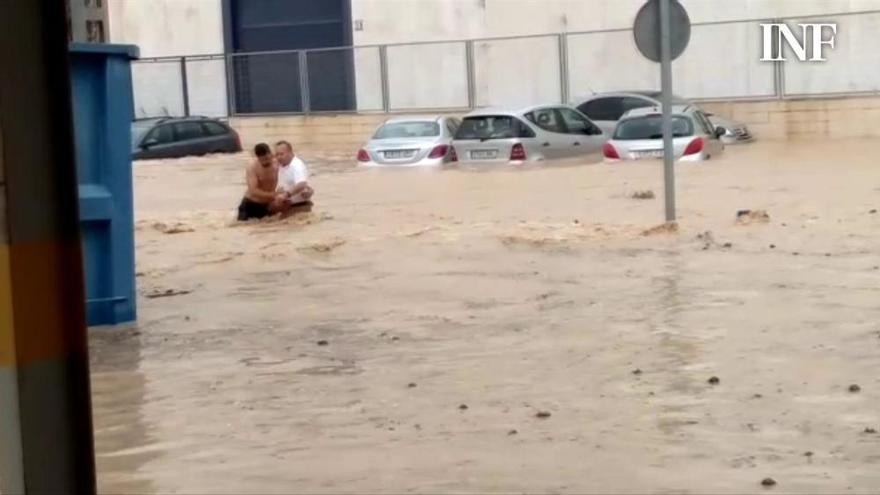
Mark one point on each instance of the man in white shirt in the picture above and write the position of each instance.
(293, 178)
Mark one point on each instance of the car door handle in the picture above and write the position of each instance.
(577, 143)
(545, 145)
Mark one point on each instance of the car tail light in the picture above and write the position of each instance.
(453, 156)
(439, 151)
(363, 156)
(517, 153)
(694, 147)
(610, 151)
(237, 138)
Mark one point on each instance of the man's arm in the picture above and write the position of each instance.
(253, 187)
(298, 188)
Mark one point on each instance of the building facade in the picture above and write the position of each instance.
(249, 60)
(88, 21)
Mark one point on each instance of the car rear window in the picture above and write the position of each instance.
(398, 130)
(651, 127)
(487, 127)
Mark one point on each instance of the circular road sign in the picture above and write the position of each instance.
(646, 29)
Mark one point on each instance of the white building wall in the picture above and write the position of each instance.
(722, 61)
(165, 28)
(87, 22)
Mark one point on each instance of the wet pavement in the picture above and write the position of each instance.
(333, 352)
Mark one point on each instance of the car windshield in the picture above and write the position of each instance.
(651, 127)
(398, 130)
(138, 130)
(491, 127)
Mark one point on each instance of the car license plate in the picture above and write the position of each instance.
(397, 154)
(649, 154)
(484, 154)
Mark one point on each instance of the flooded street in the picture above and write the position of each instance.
(502, 331)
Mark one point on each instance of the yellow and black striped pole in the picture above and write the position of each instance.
(46, 443)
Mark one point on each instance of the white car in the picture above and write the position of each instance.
(411, 142)
(639, 136)
(606, 109)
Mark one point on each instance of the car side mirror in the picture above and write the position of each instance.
(720, 131)
(149, 143)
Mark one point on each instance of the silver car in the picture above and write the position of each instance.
(639, 135)
(736, 132)
(411, 142)
(606, 109)
(531, 134)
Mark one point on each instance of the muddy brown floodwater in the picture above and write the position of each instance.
(503, 331)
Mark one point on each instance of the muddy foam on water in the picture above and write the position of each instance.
(278, 356)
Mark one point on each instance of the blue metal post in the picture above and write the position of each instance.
(102, 103)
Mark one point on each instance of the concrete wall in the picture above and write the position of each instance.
(812, 119)
(521, 72)
(402, 21)
(344, 133)
(163, 28)
(88, 21)
(722, 61)
(834, 118)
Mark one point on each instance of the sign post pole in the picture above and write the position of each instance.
(666, 86)
(662, 30)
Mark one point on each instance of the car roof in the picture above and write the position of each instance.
(512, 111)
(165, 120)
(415, 118)
(644, 93)
(657, 110)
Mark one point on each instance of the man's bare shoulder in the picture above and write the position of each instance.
(257, 168)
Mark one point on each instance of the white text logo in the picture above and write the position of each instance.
(812, 35)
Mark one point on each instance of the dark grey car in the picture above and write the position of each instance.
(174, 137)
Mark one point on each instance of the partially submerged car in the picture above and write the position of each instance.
(606, 109)
(639, 135)
(176, 137)
(529, 134)
(411, 142)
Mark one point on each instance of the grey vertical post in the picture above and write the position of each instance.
(666, 84)
(471, 75)
(305, 100)
(383, 72)
(778, 66)
(184, 86)
(230, 85)
(563, 68)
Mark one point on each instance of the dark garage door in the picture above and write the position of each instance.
(271, 82)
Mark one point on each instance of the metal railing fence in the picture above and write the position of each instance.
(722, 62)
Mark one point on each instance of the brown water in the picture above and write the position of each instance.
(513, 293)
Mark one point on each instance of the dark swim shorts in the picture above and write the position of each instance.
(251, 209)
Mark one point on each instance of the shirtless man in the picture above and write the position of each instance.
(293, 179)
(261, 198)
